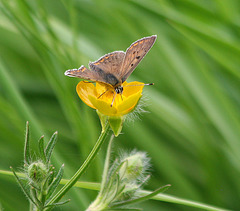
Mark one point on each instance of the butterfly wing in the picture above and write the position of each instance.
(103, 70)
(109, 65)
(84, 73)
(134, 55)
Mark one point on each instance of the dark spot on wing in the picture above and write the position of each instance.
(134, 52)
(131, 65)
(137, 57)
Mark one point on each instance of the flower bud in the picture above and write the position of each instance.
(134, 168)
(123, 181)
(37, 171)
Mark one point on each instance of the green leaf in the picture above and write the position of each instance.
(119, 209)
(140, 199)
(52, 169)
(27, 157)
(55, 182)
(57, 204)
(25, 191)
(35, 198)
(50, 146)
(41, 149)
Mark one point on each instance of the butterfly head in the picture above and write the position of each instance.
(119, 89)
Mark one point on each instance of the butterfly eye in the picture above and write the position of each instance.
(119, 89)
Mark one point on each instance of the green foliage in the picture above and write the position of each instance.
(40, 178)
(192, 130)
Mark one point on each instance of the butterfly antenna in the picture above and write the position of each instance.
(114, 96)
(140, 85)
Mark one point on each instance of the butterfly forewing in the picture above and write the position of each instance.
(134, 55)
(85, 73)
(103, 70)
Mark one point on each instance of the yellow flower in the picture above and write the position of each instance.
(101, 96)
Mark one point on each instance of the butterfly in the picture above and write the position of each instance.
(114, 68)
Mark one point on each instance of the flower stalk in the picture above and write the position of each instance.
(82, 169)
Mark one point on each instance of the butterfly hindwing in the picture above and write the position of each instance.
(134, 55)
(109, 63)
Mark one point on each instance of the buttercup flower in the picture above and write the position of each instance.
(110, 107)
(100, 97)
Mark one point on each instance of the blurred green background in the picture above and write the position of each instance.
(192, 130)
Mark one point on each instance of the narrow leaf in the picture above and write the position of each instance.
(45, 186)
(50, 146)
(57, 204)
(52, 169)
(119, 209)
(55, 182)
(35, 198)
(41, 149)
(140, 199)
(27, 157)
(25, 191)
(114, 192)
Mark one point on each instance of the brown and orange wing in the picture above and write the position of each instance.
(134, 55)
(108, 66)
(109, 63)
(85, 73)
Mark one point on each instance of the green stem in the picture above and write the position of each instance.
(98, 201)
(159, 197)
(82, 169)
(31, 206)
(177, 200)
(106, 166)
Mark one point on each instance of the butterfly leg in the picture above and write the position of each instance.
(121, 96)
(102, 94)
(114, 96)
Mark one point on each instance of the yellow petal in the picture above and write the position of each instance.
(127, 105)
(85, 89)
(103, 106)
(132, 88)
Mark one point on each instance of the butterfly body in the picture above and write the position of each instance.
(114, 68)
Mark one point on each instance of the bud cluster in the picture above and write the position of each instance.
(42, 180)
(123, 182)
